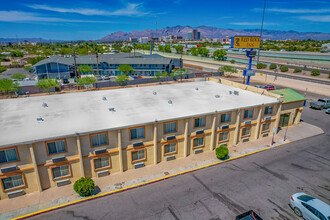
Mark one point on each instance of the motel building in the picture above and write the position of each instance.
(53, 140)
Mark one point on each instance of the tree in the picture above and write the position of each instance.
(125, 68)
(34, 60)
(48, 52)
(178, 48)
(272, 66)
(297, 71)
(219, 54)
(122, 79)
(179, 73)
(87, 82)
(315, 72)
(16, 54)
(159, 75)
(284, 68)
(203, 51)
(19, 76)
(2, 68)
(167, 48)
(227, 69)
(84, 186)
(85, 69)
(194, 51)
(83, 51)
(27, 67)
(97, 50)
(261, 66)
(66, 51)
(47, 84)
(8, 85)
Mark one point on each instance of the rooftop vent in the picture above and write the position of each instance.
(155, 93)
(230, 92)
(40, 119)
(196, 88)
(104, 98)
(170, 102)
(236, 92)
(112, 110)
(217, 96)
(44, 104)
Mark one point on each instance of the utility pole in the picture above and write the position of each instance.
(75, 67)
(262, 24)
(97, 63)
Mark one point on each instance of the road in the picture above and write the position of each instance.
(263, 182)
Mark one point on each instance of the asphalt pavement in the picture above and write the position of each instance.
(263, 182)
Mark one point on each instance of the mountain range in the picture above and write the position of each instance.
(213, 32)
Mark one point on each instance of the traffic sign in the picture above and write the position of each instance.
(249, 72)
(245, 42)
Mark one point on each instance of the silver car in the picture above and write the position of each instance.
(309, 207)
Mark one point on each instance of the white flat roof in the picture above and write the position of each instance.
(87, 112)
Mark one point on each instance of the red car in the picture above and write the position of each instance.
(269, 87)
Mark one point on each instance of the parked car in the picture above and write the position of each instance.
(250, 215)
(66, 81)
(309, 207)
(106, 78)
(99, 78)
(320, 104)
(269, 87)
(327, 111)
(258, 86)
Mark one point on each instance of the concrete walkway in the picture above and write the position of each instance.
(11, 208)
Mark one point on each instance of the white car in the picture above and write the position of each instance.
(309, 207)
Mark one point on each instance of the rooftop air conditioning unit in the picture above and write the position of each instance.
(100, 151)
(200, 132)
(265, 134)
(236, 92)
(247, 122)
(138, 144)
(62, 182)
(103, 173)
(198, 151)
(170, 137)
(15, 193)
(245, 139)
(58, 159)
(169, 158)
(224, 127)
(8, 169)
(138, 165)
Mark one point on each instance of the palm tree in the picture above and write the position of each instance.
(97, 50)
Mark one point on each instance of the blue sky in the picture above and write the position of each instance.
(91, 20)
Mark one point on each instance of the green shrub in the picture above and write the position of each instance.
(84, 186)
(261, 66)
(222, 152)
(329, 75)
(233, 61)
(19, 76)
(284, 68)
(2, 68)
(315, 72)
(272, 66)
(297, 70)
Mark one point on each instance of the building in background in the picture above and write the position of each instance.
(133, 40)
(194, 35)
(144, 40)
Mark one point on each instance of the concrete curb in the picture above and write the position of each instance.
(140, 184)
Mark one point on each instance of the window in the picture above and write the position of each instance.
(101, 162)
(170, 127)
(314, 211)
(12, 182)
(99, 139)
(248, 113)
(170, 148)
(137, 133)
(305, 198)
(61, 171)
(56, 147)
(268, 110)
(198, 142)
(265, 127)
(225, 117)
(138, 155)
(8, 155)
(246, 131)
(199, 122)
(224, 136)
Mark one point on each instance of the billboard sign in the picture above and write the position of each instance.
(245, 42)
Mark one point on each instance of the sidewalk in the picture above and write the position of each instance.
(11, 208)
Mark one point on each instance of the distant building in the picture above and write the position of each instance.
(63, 67)
(144, 40)
(133, 40)
(27, 43)
(194, 35)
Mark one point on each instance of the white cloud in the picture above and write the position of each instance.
(325, 18)
(251, 23)
(131, 9)
(20, 16)
(295, 11)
